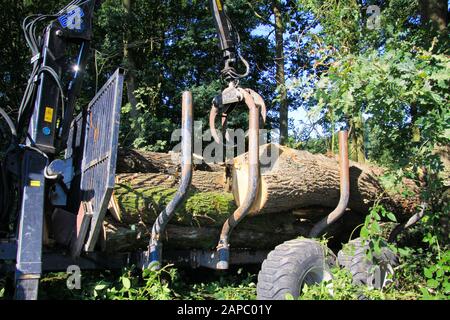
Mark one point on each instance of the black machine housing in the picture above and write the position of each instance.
(58, 170)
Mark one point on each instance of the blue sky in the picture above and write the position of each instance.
(266, 31)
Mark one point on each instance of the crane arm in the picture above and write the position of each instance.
(228, 41)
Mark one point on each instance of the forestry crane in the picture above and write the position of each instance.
(60, 168)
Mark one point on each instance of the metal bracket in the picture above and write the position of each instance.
(64, 168)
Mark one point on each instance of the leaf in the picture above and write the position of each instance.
(376, 247)
(289, 296)
(432, 283)
(428, 273)
(425, 294)
(364, 233)
(126, 283)
(403, 252)
(375, 228)
(391, 217)
(100, 287)
(447, 288)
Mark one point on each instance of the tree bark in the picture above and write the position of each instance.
(297, 190)
(133, 161)
(357, 139)
(436, 12)
(258, 232)
(130, 78)
(297, 179)
(202, 181)
(280, 77)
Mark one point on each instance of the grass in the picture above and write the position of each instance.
(237, 284)
(166, 284)
(420, 275)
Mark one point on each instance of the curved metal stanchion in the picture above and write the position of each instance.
(155, 247)
(215, 111)
(344, 188)
(223, 246)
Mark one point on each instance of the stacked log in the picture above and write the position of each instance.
(297, 189)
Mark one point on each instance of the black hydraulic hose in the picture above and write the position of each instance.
(3, 198)
(5, 186)
(5, 201)
(155, 247)
(10, 123)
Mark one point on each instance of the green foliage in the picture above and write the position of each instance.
(397, 76)
(386, 87)
(438, 276)
(137, 128)
(53, 286)
(371, 231)
(392, 75)
(154, 285)
(166, 47)
(423, 272)
(341, 21)
(2, 289)
(231, 287)
(166, 283)
(341, 288)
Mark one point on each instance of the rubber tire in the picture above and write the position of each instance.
(364, 270)
(289, 266)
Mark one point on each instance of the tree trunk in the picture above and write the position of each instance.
(297, 190)
(436, 12)
(293, 180)
(359, 128)
(202, 181)
(415, 130)
(130, 78)
(133, 161)
(279, 77)
(258, 232)
(296, 179)
(357, 152)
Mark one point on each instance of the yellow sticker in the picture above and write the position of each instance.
(35, 183)
(219, 5)
(48, 116)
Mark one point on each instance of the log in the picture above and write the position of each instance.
(142, 201)
(130, 161)
(203, 181)
(262, 232)
(296, 179)
(141, 197)
(139, 161)
(296, 192)
(198, 222)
